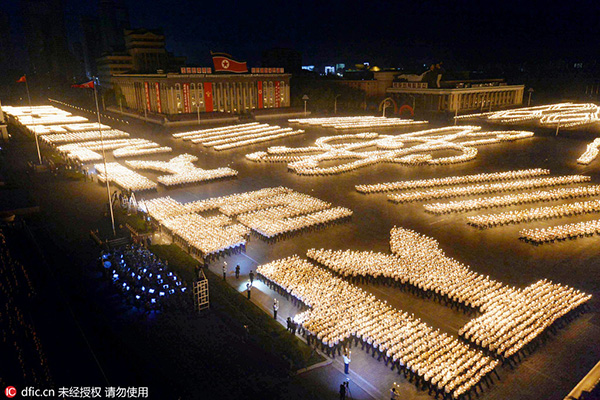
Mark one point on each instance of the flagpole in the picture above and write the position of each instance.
(37, 144)
(112, 217)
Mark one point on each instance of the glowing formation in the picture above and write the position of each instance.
(452, 180)
(143, 149)
(365, 149)
(590, 153)
(565, 115)
(269, 212)
(511, 317)
(181, 170)
(83, 136)
(340, 311)
(42, 115)
(124, 177)
(487, 188)
(351, 123)
(534, 214)
(513, 199)
(229, 137)
(561, 232)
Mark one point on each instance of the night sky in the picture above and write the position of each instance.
(387, 33)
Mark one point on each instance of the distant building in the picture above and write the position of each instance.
(46, 40)
(461, 95)
(113, 20)
(90, 34)
(289, 59)
(147, 49)
(185, 93)
(113, 64)
(374, 87)
(145, 53)
(458, 96)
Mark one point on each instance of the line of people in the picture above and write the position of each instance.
(534, 214)
(512, 199)
(452, 180)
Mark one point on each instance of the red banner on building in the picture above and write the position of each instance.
(260, 94)
(186, 98)
(208, 97)
(147, 92)
(277, 95)
(158, 103)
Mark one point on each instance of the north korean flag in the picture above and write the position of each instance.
(87, 85)
(225, 63)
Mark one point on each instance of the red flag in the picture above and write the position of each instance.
(187, 104)
(260, 94)
(87, 85)
(208, 98)
(22, 79)
(225, 63)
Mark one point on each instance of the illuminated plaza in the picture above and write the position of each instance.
(441, 273)
(409, 210)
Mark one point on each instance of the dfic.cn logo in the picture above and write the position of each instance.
(10, 392)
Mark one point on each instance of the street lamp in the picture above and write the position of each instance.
(386, 103)
(530, 90)
(305, 98)
(335, 103)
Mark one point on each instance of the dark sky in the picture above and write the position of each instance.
(383, 32)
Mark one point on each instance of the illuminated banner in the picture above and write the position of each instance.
(147, 92)
(277, 95)
(158, 103)
(260, 94)
(208, 97)
(186, 98)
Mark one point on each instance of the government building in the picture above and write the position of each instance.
(457, 97)
(431, 96)
(197, 90)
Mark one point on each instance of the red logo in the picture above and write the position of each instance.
(10, 392)
(225, 64)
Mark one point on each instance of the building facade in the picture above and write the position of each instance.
(147, 49)
(176, 93)
(145, 54)
(471, 97)
(451, 96)
(375, 87)
(112, 64)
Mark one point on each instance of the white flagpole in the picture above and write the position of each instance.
(37, 144)
(112, 217)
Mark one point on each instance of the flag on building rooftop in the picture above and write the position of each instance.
(225, 63)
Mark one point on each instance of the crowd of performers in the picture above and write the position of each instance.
(20, 345)
(146, 281)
